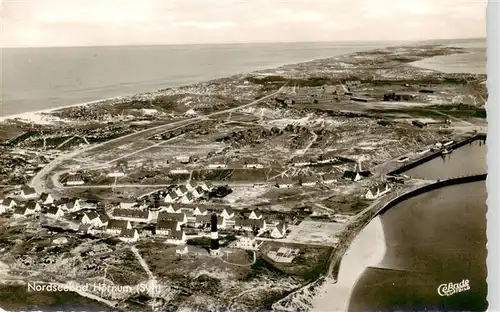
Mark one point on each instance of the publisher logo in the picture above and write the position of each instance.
(445, 290)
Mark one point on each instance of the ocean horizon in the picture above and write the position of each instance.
(35, 79)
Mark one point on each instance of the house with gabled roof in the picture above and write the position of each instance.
(181, 190)
(55, 212)
(200, 211)
(247, 241)
(95, 219)
(217, 164)
(129, 235)
(174, 209)
(197, 192)
(284, 183)
(164, 227)
(202, 221)
(179, 217)
(46, 199)
(28, 209)
(191, 185)
(279, 231)
(187, 198)
(116, 172)
(132, 215)
(250, 224)
(252, 163)
(377, 190)
(301, 161)
(327, 158)
(8, 204)
(351, 175)
(75, 179)
(116, 226)
(329, 178)
(227, 213)
(171, 197)
(70, 205)
(28, 192)
(178, 170)
(308, 181)
(127, 203)
(176, 237)
(255, 214)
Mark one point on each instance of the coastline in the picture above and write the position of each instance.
(367, 249)
(43, 116)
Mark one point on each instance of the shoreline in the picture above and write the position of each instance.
(41, 115)
(367, 249)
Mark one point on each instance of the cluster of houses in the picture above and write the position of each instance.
(172, 220)
(30, 203)
(129, 220)
(377, 190)
(302, 161)
(188, 193)
(306, 180)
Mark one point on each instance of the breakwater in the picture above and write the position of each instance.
(425, 159)
(427, 188)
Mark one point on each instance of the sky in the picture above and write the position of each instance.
(45, 23)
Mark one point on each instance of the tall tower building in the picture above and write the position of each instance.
(214, 242)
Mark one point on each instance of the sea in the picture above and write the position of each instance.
(35, 79)
(431, 240)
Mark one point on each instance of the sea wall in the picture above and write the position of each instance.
(424, 159)
(430, 187)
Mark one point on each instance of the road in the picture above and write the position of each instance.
(38, 181)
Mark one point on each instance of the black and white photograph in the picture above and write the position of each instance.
(244, 155)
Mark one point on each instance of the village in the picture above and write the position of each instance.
(280, 163)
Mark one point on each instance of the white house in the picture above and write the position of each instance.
(191, 185)
(377, 191)
(127, 204)
(351, 175)
(252, 163)
(178, 170)
(181, 190)
(279, 231)
(165, 227)
(174, 209)
(29, 209)
(284, 183)
(71, 205)
(8, 204)
(74, 179)
(329, 179)
(116, 173)
(206, 186)
(94, 219)
(171, 197)
(227, 213)
(250, 224)
(202, 221)
(308, 181)
(133, 215)
(246, 241)
(327, 159)
(187, 198)
(219, 164)
(116, 226)
(183, 159)
(197, 192)
(28, 192)
(46, 199)
(176, 237)
(179, 217)
(55, 212)
(129, 235)
(301, 161)
(200, 211)
(181, 249)
(255, 214)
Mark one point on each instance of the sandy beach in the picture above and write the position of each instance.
(367, 249)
